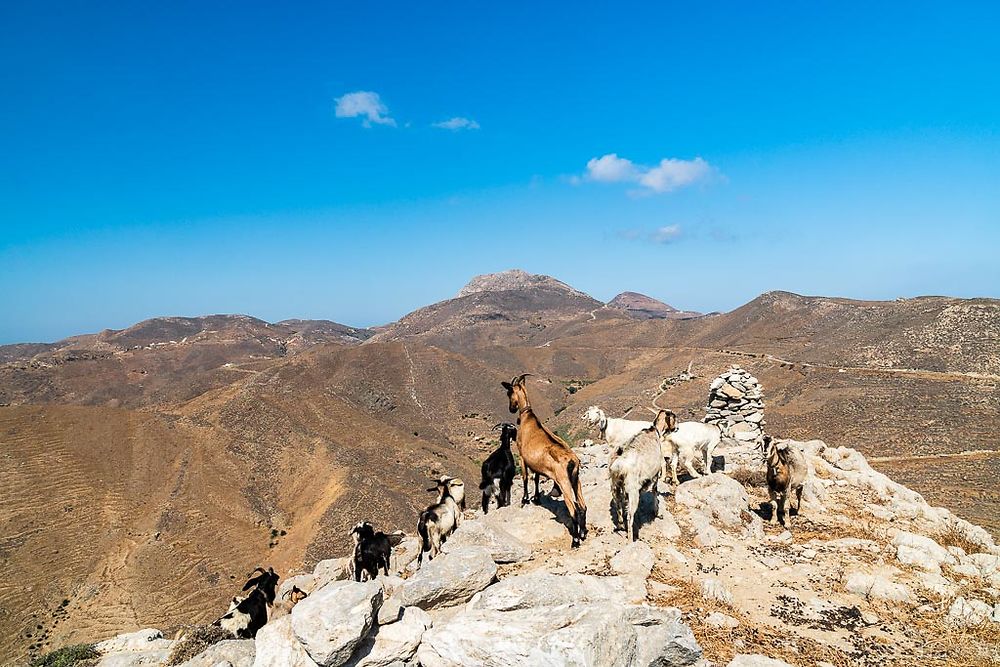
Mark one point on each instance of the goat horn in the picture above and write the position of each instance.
(655, 412)
(496, 426)
(520, 378)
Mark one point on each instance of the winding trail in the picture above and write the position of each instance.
(413, 379)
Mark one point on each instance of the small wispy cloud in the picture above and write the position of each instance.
(667, 234)
(457, 123)
(661, 235)
(668, 175)
(364, 104)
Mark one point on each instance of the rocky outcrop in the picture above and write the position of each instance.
(707, 567)
(332, 621)
(449, 579)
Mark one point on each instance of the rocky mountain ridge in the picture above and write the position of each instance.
(869, 574)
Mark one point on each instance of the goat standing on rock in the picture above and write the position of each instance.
(441, 519)
(636, 468)
(372, 551)
(250, 614)
(786, 472)
(498, 470)
(544, 453)
(690, 440)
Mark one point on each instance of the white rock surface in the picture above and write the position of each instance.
(634, 559)
(277, 646)
(756, 660)
(877, 585)
(581, 635)
(503, 547)
(663, 639)
(964, 613)
(449, 579)
(140, 640)
(231, 652)
(132, 649)
(921, 551)
(332, 621)
(717, 495)
(393, 643)
(540, 589)
(720, 620)
(713, 589)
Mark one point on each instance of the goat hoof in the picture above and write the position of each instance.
(576, 543)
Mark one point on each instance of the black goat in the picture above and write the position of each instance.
(498, 469)
(372, 550)
(249, 615)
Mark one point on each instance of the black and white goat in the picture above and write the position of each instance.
(498, 470)
(441, 519)
(248, 615)
(372, 551)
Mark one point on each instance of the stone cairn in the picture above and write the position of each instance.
(736, 404)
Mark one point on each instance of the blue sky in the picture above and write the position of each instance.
(192, 158)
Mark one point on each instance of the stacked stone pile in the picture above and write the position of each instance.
(736, 404)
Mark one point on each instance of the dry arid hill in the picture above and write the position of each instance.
(146, 469)
(642, 306)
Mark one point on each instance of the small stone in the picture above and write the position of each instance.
(720, 620)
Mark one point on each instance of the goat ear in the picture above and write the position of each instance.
(506, 385)
(252, 582)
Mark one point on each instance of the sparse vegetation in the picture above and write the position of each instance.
(573, 386)
(953, 538)
(78, 655)
(196, 639)
(749, 477)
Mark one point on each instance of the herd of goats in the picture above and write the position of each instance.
(638, 454)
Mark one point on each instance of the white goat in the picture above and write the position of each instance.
(688, 440)
(786, 472)
(615, 431)
(635, 469)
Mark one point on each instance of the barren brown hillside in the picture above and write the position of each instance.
(149, 467)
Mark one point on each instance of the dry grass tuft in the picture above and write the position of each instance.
(950, 537)
(749, 477)
(939, 643)
(197, 638)
(720, 645)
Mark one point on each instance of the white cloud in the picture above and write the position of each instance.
(666, 234)
(662, 235)
(670, 174)
(611, 169)
(457, 123)
(364, 103)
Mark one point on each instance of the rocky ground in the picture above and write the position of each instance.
(869, 574)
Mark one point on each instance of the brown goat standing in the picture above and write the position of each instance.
(543, 453)
(786, 473)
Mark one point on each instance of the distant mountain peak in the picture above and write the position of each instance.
(644, 306)
(512, 280)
